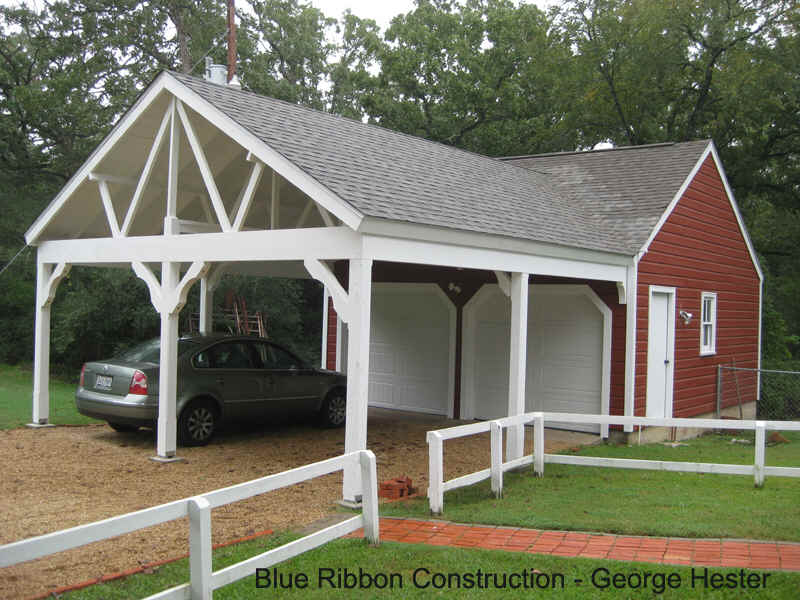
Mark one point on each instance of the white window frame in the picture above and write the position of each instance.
(711, 321)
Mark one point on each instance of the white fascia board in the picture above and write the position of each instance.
(712, 150)
(256, 147)
(451, 255)
(432, 233)
(328, 243)
(122, 126)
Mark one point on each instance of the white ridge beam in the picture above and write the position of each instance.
(205, 170)
(144, 178)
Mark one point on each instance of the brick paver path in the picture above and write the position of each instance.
(659, 550)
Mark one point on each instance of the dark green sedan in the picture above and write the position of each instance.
(220, 378)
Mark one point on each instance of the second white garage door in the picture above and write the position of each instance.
(564, 372)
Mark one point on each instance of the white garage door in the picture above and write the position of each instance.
(565, 350)
(410, 346)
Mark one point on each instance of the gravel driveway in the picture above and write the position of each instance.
(55, 478)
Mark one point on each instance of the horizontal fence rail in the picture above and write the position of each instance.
(438, 485)
(202, 579)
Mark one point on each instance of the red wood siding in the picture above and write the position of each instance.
(330, 344)
(701, 249)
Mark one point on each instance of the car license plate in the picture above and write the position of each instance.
(103, 382)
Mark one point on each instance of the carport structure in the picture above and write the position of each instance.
(199, 178)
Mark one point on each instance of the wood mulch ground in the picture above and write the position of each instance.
(55, 478)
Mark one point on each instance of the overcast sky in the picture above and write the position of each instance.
(382, 11)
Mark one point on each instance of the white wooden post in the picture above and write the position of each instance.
(369, 496)
(435, 472)
(209, 283)
(41, 356)
(324, 350)
(355, 437)
(206, 307)
(538, 444)
(168, 370)
(47, 280)
(497, 458)
(515, 439)
(200, 548)
(761, 440)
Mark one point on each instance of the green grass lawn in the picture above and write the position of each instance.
(402, 560)
(639, 502)
(16, 389)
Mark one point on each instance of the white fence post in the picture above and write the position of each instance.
(538, 444)
(369, 495)
(497, 458)
(435, 472)
(200, 548)
(761, 440)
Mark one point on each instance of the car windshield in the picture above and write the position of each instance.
(150, 351)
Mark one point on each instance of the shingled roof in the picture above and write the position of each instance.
(604, 202)
(626, 189)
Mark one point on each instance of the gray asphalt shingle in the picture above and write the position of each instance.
(390, 175)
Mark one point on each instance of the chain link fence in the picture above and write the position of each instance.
(776, 393)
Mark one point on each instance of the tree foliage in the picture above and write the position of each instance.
(499, 77)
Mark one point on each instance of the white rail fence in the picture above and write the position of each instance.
(202, 579)
(438, 486)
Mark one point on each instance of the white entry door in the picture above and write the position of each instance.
(660, 352)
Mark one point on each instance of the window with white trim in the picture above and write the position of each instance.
(708, 323)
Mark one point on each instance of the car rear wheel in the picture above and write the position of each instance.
(197, 423)
(123, 427)
(334, 409)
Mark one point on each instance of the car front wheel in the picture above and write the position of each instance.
(197, 423)
(334, 409)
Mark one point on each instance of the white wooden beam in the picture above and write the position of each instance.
(275, 202)
(188, 226)
(56, 275)
(47, 280)
(504, 281)
(118, 179)
(445, 254)
(322, 273)
(144, 178)
(177, 299)
(144, 273)
(166, 427)
(208, 283)
(355, 436)
(174, 161)
(621, 292)
(326, 216)
(305, 214)
(205, 170)
(108, 206)
(248, 191)
(515, 438)
(281, 244)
